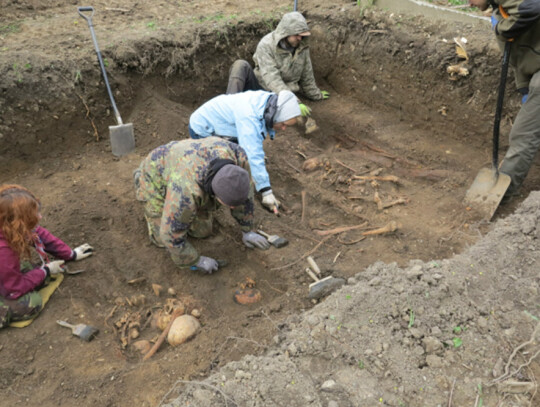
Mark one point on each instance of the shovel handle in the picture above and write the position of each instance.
(100, 60)
(499, 108)
(81, 11)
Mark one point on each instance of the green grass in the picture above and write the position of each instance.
(9, 28)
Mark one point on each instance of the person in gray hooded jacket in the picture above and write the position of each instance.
(282, 62)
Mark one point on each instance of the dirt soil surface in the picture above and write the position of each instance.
(408, 329)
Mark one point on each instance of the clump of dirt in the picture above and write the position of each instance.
(399, 142)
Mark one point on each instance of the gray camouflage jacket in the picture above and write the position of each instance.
(277, 69)
(520, 21)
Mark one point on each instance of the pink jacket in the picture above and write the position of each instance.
(14, 283)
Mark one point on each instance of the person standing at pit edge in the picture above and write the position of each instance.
(282, 62)
(182, 183)
(246, 118)
(19, 232)
(518, 21)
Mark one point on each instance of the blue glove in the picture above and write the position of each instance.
(493, 22)
(304, 110)
(252, 240)
(206, 264)
(524, 98)
(325, 94)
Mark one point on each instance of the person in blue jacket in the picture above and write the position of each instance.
(247, 118)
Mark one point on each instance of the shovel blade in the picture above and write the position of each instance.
(122, 139)
(487, 191)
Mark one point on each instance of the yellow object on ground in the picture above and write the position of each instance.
(45, 293)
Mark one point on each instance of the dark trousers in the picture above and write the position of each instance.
(242, 78)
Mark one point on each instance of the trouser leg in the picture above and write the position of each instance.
(21, 309)
(524, 138)
(242, 78)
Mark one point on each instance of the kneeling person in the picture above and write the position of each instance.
(182, 183)
(247, 118)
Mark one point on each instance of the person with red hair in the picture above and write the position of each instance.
(19, 233)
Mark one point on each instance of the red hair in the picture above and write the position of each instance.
(19, 215)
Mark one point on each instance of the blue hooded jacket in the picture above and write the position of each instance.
(239, 115)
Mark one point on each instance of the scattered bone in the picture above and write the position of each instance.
(171, 291)
(157, 289)
(162, 336)
(378, 201)
(143, 346)
(136, 300)
(311, 164)
(398, 201)
(137, 280)
(196, 313)
(389, 178)
(304, 203)
(183, 328)
(340, 229)
(392, 226)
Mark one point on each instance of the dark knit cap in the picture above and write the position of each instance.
(231, 185)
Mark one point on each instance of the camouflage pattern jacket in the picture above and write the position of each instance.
(277, 69)
(520, 21)
(171, 182)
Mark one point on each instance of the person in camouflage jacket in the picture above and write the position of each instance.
(282, 62)
(518, 22)
(182, 183)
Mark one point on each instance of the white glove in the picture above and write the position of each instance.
(270, 201)
(55, 267)
(83, 251)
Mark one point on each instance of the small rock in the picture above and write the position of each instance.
(436, 331)
(432, 345)
(434, 361)
(312, 320)
(329, 386)
(414, 272)
(240, 375)
(196, 313)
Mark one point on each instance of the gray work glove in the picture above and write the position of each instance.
(83, 251)
(55, 267)
(253, 239)
(206, 264)
(270, 201)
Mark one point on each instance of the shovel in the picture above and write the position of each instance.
(85, 332)
(121, 135)
(489, 186)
